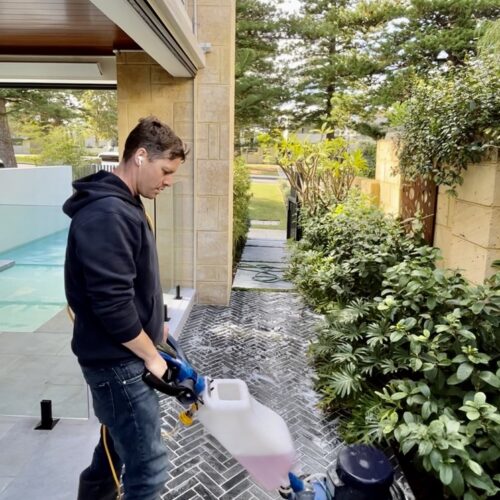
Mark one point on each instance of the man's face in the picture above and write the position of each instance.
(155, 175)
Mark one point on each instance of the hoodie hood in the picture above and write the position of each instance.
(94, 187)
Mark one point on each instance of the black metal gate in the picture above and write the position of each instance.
(293, 229)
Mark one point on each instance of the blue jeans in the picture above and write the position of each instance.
(131, 413)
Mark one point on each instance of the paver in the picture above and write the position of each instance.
(261, 338)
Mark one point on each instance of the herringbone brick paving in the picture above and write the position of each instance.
(262, 338)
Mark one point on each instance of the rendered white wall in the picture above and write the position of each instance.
(31, 202)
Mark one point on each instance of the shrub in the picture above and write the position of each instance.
(450, 121)
(241, 200)
(420, 365)
(344, 253)
(61, 147)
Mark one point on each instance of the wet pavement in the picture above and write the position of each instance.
(262, 338)
(263, 262)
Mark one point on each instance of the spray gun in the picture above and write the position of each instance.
(180, 380)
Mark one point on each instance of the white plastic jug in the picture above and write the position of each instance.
(253, 434)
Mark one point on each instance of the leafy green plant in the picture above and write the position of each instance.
(344, 252)
(63, 146)
(451, 120)
(241, 201)
(321, 173)
(429, 348)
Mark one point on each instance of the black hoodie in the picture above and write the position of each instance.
(111, 271)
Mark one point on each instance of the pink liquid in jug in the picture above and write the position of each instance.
(269, 471)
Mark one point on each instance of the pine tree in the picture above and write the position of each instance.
(259, 89)
(431, 28)
(338, 47)
(360, 56)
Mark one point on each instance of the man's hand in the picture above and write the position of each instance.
(143, 347)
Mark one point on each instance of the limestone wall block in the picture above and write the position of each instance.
(140, 109)
(442, 240)
(389, 197)
(212, 247)
(370, 187)
(183, 181)
(212, 2)
(183, 275)
(211, 73)
(148, 206)
(182, 255)
(214, 28)
(212, 273)
(134, 82)
(443, 208)
(207, 213)
(481, 184)
(227, 67)
(213, 103)
(202, 141)
(183, 239)
(223, 219)
(474, 260)
(213, 177)
(226, 141)
(213, 293)
(185, 130)
(164, 210)
(183, 212)
(213, 141)
(180, 91)
(164, 244)
(477, 224)
(160, 75)
(386, 160)
(183, 111)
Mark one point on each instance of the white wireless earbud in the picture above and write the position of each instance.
(140, 161)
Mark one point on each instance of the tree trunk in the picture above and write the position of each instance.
(7, 154)
(331, 87)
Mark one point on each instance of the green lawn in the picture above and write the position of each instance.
(267, 204)
(262, 169)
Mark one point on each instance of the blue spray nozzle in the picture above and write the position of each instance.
(295, 482)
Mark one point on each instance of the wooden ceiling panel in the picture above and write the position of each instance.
(58, 27)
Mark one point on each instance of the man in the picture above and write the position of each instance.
(113, 287)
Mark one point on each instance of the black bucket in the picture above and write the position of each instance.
(365, 473)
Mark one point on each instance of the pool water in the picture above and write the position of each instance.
(32, 291)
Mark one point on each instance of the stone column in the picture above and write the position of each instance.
(194, 219)
(390, 184)
(214, 111)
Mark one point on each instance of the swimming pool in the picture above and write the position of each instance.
(32, 291)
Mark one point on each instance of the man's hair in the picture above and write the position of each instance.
(157, 138)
